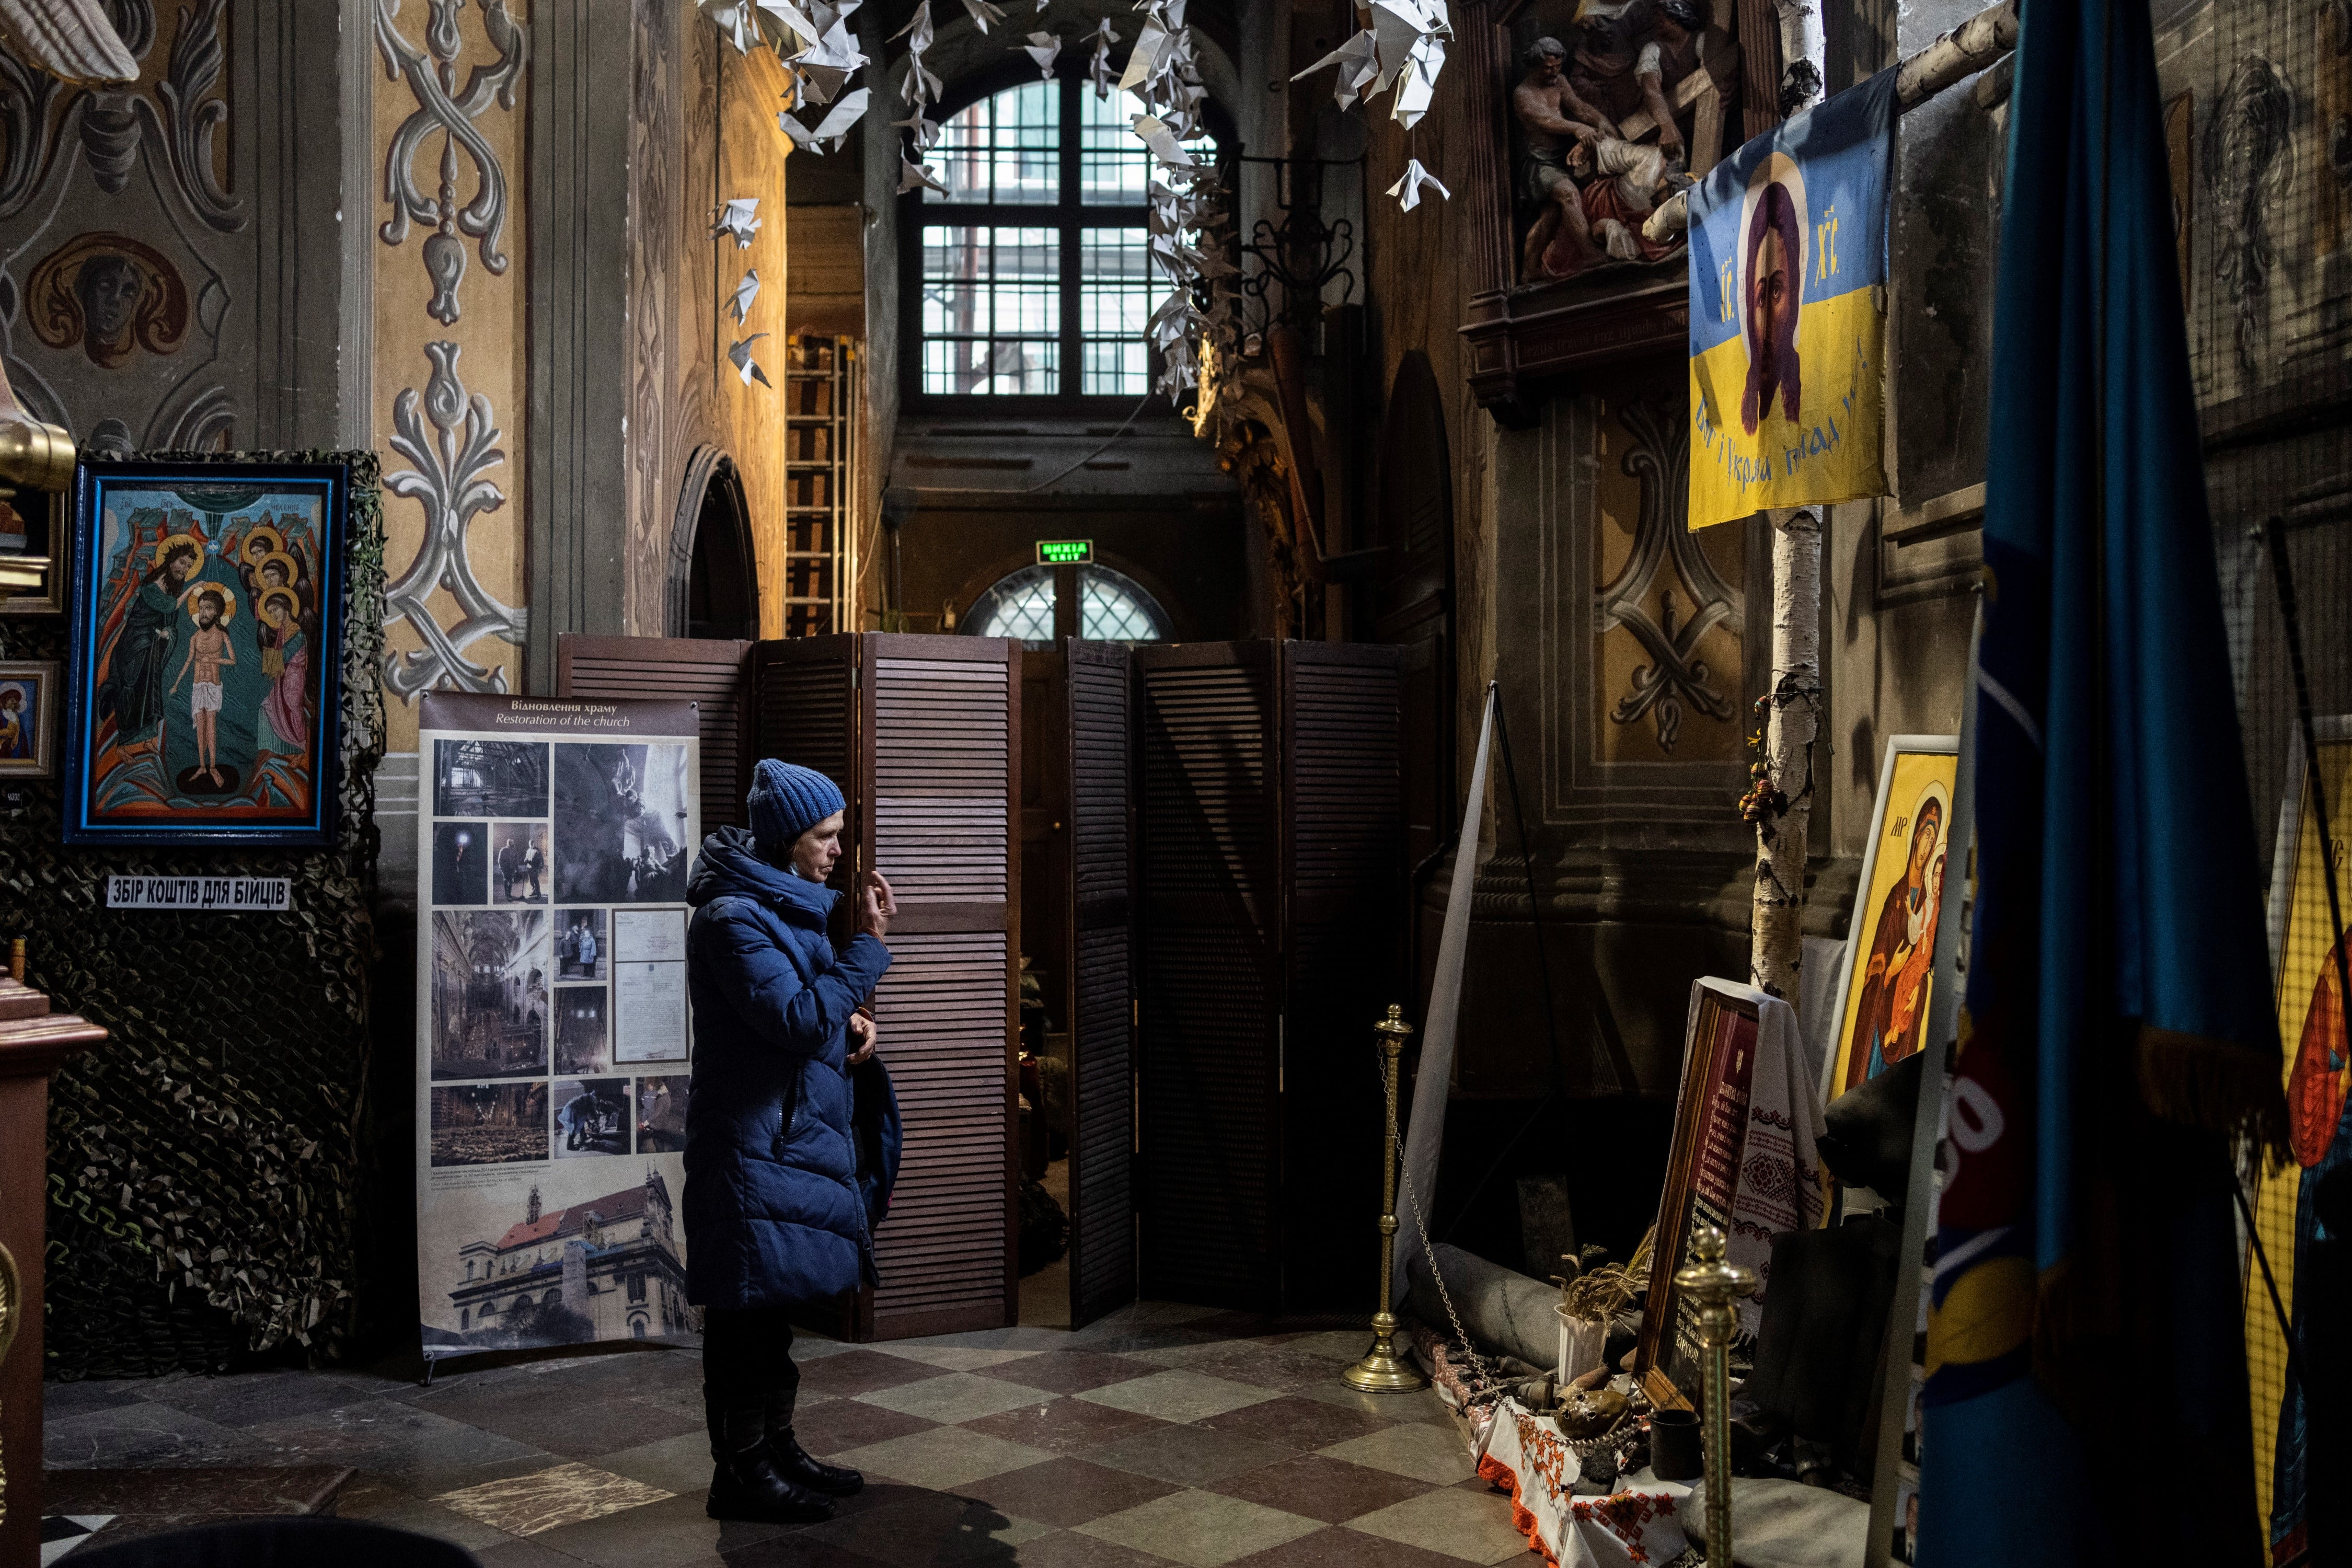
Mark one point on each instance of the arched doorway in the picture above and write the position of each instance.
(714, 584)
(1411, 601)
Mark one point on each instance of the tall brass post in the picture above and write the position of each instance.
(1713, 1285)
(1382, 1370)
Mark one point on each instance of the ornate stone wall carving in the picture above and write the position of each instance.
(441, 107)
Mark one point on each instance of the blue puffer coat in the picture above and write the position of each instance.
(780, 1207)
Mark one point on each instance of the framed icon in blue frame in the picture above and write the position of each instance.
(206, 692)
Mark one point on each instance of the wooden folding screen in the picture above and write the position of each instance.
(1343, 933)
(710, 671)
(1101, 989)
(1269, 887)
(1209, 1051)
(920, 733)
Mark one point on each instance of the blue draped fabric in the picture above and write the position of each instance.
(2086, 1397)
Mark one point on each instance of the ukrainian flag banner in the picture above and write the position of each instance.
(1787, 253)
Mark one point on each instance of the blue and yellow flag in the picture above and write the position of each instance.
(1788, 251)
(2086, 1396)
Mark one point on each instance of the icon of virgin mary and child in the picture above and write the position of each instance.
(1891, 1014)
(205, 666)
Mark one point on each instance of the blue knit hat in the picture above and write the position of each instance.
(786, 802)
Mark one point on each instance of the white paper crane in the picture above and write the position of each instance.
(737, 218)
(1044, 48)
(745, 292)
(736, 18)
(982, 13)
(1098, 69)
(1162, 141)
(828, 132)
(924, 133)
(1407, 190)
(915, 176)
(745, 365)
(1404, 48)
(1152, 46)
(825, 68)
(1358, 60)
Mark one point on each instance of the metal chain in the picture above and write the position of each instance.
(1420, 1227)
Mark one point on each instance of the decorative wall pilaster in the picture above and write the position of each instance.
(449, 342)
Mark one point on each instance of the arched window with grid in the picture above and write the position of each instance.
(1030, 276)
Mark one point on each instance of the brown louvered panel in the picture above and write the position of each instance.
(940, 718)
(1210, 1167)
(942, 1246)
(1100, 753)
(711, 672)
(1342, 866)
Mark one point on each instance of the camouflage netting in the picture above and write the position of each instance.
(203, 1161)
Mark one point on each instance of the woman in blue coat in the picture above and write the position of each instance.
(778, 1210)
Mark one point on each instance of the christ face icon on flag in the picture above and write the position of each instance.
(1775, 283)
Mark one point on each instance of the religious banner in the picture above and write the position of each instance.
(552, 1030)
(1787, 323)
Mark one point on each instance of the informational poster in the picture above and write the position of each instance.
(552, 1031)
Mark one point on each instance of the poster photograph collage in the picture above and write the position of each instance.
(553, 1006)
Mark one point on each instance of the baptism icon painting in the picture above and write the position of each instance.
(203, 707)
(1891, 949)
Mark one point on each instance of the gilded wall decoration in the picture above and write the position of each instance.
(443, 108)
(450, 480)
(109, 295)
(1669, 564)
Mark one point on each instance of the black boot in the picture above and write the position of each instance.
(795, 1463)
(744, 1484)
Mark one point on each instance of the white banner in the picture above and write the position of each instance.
(554, 839)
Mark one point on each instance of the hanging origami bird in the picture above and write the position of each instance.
(1358, 60)
(1407, 190)
(745, 292)
(916, 178)
(1098, 69)
(924, 133)
(745, 365)
(1144, 62)
(738, 218)
(982, 13)
(827, 131)
(1044, 48)
(1162, 141)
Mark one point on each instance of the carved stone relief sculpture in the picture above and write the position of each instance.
(451, 464)
(132, 287)
(1666, 559)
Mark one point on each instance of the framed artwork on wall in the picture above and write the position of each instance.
(1890, 951)
(205, 689)
(30, 695)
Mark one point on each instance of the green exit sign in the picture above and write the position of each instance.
(1065, 551)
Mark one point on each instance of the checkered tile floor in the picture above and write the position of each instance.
(1163, 1434)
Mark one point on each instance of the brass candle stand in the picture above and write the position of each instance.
(1712, 1286)
(1382, 1370)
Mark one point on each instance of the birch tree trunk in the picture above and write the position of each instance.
(1783, 804)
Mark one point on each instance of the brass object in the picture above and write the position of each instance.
(1712, 1285)
(1588, 1412)
(33, 454)
(17, 974)
(1382, 1370)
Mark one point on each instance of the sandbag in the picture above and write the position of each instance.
(1786, 1524)
(1502, 1308)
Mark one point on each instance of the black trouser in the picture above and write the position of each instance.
(747, 1376)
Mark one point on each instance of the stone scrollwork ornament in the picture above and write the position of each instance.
(442, 107)
(450, 480)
